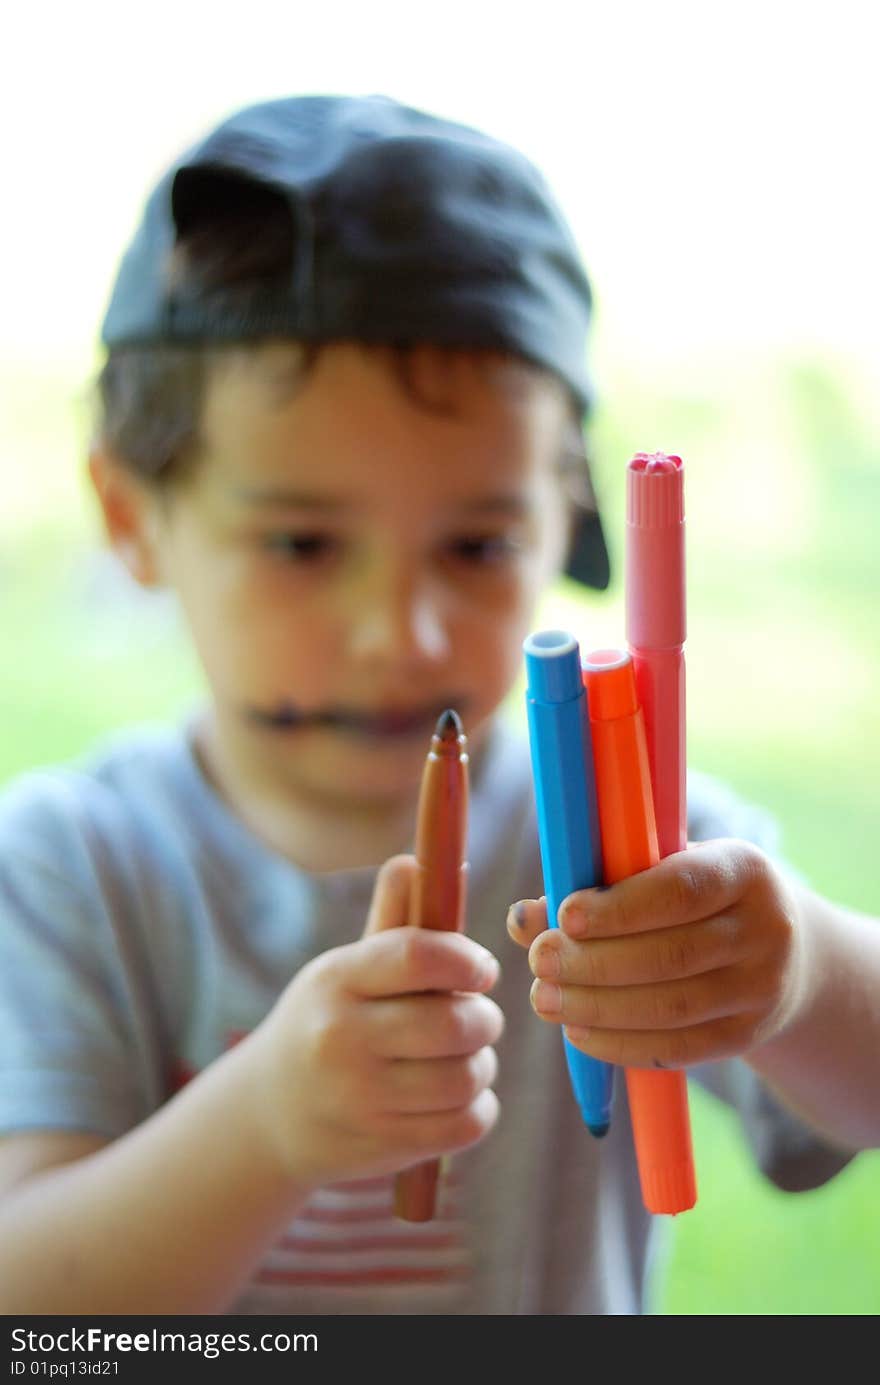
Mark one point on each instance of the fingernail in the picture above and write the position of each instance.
(516, 915)
(573, 920)
(546, 998)
(545, 959)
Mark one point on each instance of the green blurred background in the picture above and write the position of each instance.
(715, 163)
(783, 489)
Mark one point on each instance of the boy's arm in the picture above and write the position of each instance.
(170, 1218)
(714, 953)
(823, 1063)
(377, 1055)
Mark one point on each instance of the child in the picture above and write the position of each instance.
(341, 419)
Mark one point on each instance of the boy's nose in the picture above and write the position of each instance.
(398, 620)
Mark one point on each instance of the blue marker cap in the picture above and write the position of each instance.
(553, 667)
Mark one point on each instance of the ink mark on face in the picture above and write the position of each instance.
(389, 722)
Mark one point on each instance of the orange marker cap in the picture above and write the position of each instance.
(613, 694)
(623, 777)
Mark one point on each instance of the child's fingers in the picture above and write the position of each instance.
(431, 1026)
(442, 1084)
(671, 1005)
(670, 1048)
(444, 1132)
(682, 888)
(390, 905)
(666, 954)
(403, 961)
(526, 919)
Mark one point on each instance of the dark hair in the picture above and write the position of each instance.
(150, 397)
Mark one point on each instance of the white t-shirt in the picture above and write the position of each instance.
(144, 928)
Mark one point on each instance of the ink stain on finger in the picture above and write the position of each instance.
(517, 914)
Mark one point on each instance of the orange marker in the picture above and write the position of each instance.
(438, 898)
(657, 1099)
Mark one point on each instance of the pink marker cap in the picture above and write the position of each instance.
(655, 588)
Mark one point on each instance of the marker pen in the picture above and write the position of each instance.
(655, 629)
(655, 604)
(658, 1099)
(438, 899)
(565, 795)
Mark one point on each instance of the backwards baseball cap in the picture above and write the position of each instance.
(406, 229)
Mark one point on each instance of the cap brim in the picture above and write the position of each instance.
(588, 561)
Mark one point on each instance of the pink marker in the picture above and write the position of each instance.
(655, 629)
(655, 632)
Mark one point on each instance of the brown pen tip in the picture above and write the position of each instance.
(448, 726)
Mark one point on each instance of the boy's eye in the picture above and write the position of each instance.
(484, 548)
(300, 547)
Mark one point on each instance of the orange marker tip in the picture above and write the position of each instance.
(670, 1189)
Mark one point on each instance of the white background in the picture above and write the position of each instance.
(718, 161)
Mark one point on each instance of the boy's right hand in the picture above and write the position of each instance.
(378, 1054)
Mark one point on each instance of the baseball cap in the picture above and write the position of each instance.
(407, 228)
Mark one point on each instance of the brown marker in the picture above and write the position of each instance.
(438, 898)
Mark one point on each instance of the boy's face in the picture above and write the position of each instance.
(351, 563)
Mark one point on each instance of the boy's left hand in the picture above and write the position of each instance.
(698, 958)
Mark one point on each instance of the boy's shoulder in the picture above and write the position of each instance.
(134, 814)
(129, 775)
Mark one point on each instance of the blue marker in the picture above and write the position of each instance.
(568, 819)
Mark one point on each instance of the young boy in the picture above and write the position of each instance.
(341, 419)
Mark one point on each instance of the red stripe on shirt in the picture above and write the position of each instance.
(355, 1279)
(431, 1241)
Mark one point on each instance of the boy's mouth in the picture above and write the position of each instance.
(384, 722)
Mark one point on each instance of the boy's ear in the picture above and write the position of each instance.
(129, 509)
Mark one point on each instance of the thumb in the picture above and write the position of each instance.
(392, 893)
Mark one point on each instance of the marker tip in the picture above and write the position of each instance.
(448, 725)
